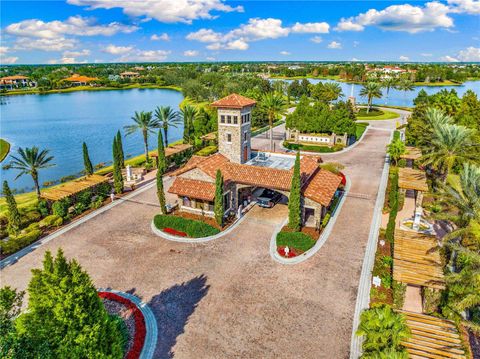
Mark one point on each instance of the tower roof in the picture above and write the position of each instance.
(234, 101)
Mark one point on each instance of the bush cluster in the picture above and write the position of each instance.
(193, 228)
(14, 244)
(207, 151)
(312, 148)
(393, 203)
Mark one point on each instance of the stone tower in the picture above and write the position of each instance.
(234, 127)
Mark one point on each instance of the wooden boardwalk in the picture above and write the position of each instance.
(432, 338)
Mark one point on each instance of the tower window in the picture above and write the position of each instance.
(235, 119)
(229, 119)
(222, 118)
(229, 137)
(245, 136)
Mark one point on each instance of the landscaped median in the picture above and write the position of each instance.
(183, 227)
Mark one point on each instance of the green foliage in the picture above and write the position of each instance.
(383, 330)
(297, 240)
(398, 293)
(167, 118)
(188, 114)
(117, 169)
(395, 149)
(372, 113)
(360, 129)
(10, 306)
(120, 153)
(393, 204)
(311, 148)
(13, 215)
(371, 90)
(51, 221)
(85, 198)
(4, 149)
(103, 189)
(15, 243)
(431, 300)
(144, 123)
(193, 228)
(294, 201)
(325, 220)
(86, 160)
(219, 205)
(42, 207)
(207, 151)
(326, 92)
(66, 315)
(160, 172)
(60, 208)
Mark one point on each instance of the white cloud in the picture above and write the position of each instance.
(67, 60)
(404, 58)
(215, 46)
(3, 50)
(57, 44)
(190, 53)
(258, 29)
(211, 58)
(285, 53)
(465, 6)
(449, 59)
(162, 37)
(316, 39)
(236, 45)
(311, 27)
(426, 54)
(205, 35)
(81, 53)
(74, 25)
(354, 59)
(117, 50)
(405, 17)
(334, 45)
(8, 60)
(169, 11)
(137, 55)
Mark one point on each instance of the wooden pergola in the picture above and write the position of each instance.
(411, 153)
(173, 150)
(416, 260)
(73, 187)
(409, 178)
(432, 337)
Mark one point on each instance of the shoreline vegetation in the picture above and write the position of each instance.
(4, 149)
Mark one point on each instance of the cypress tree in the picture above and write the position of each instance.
(86, 161)
(160, 171)
(121, 154)
(219, 205)
(117, 169)
(13, 216)
(294, 202)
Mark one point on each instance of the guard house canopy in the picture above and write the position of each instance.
(412, 179)
(73, 187)
(235, 101)
(411, 153)
(416, 260)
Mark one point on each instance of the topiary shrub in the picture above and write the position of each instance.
(60, 208)
(325, 220)
(85, 198)
(51, 221)
(207, 151)
(104, 189)
(43, 208)
(14, 244)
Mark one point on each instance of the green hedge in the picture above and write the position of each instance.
(14, 244)
(372, 113)
(360, 129)
(207, 151)
(297, 240)
(194, 229)
(312, 148)
(393, 203)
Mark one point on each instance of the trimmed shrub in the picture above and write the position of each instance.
(398, 289)
(207, 151)
(85, 198)
(60, 208)
(311, 148)
(43, 208)
(193, 228)
(104, 189)
(297, 240)
(325, 220)
(14, 244)
(51, 221)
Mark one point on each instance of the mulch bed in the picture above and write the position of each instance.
(205, 219)
(293, 252)
(382, 292)
(309, 231)
(119, 309)
(132, 311)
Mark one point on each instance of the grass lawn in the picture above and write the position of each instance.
(297, 240)
(361, 127)
(23, 200)
(375, 114)
(4, 149)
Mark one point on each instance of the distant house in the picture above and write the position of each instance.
(114, 77)
(80, 80)
(16, 81)
(129, 75)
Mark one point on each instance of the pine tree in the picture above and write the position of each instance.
(294, 203)
(66, 315)
(13, 216)
(219, 205)
(160, 171)
(121, 154)
(117, 169)
(86, 161)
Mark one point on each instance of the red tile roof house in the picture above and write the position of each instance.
(10, 82)
(246, 172)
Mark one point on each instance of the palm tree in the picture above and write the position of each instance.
(30, 161)
(450, 145)
(166, 117)
(389, 83)
(405, 85)
(433, 118)
(275, 105)
(396, 149)
(332, 91)
(188, 114)
(144, 123)
(371, 90)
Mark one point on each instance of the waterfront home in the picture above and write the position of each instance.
(129, 75)
(16, 81)
(80, 80)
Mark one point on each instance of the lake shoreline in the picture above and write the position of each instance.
(336, 78)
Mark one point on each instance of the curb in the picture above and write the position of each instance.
(320, 242)
(363, 294)
(151, 335)
(13, 258)
(170, 237)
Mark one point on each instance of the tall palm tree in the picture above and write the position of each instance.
(145, 123)
(389, 83)
(450, 145)
(405, 85)
(167, 118)
(332, 91)
(188, 114)
(396, 149)
(371, 90)
(275, 105)
(30, 161)
(433, 118)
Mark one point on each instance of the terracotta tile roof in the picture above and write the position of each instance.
(80, 78)
(193, 188)
(209, 164)
(234, 101)
(322, 187)
(14, 77)
(258, 176)
(308, 166)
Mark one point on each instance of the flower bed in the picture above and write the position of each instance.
(174, 232)
(191, 228)
(140, 329)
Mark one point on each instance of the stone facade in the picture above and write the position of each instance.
(314, 138)
(234, 133)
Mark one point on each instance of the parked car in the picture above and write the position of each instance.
(268, 198)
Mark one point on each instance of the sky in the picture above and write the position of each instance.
(98, 31)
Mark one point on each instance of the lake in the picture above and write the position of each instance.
(400, 98)
(61, 122)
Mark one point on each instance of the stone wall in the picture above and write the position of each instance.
(239, 134)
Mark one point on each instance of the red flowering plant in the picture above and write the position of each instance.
(139, 319)
(174, 232)
(291, 253)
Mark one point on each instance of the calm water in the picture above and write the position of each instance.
(400, 98)
(61, 122)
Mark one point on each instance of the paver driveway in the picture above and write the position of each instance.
(227, 298)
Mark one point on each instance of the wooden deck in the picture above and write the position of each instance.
(73, 187)
(432, 338)
(411, 153)
(416, 260)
